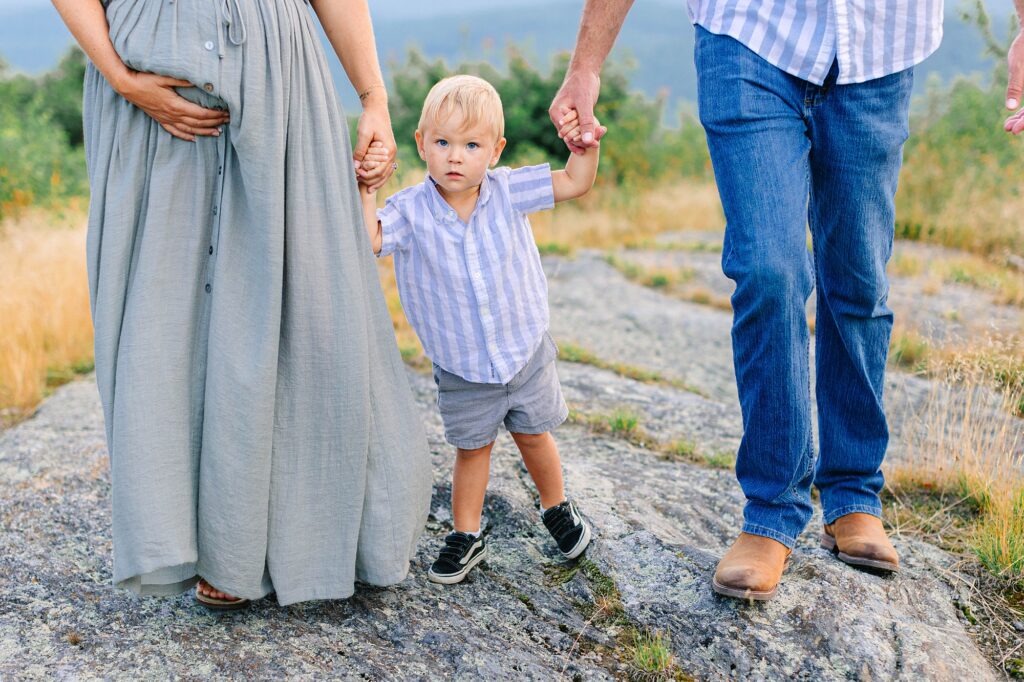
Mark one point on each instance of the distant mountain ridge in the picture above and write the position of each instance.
(657, 36)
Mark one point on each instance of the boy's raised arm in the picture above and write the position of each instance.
(373, 228)
(578, 176)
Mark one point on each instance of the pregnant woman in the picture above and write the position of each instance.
(261, 429)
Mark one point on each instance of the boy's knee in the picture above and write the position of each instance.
(474, 452)
(530, 438)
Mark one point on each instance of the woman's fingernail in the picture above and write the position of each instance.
(1011, 103)
(588, 137)
(357, 165)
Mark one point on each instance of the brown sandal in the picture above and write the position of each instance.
(214, 604)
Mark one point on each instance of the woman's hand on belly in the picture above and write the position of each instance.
(156, 96)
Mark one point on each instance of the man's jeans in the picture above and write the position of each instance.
(788, 153)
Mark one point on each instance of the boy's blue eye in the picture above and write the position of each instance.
(443, 143)
(472, 145)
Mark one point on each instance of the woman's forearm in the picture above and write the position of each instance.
(87, 22)
(348, 27)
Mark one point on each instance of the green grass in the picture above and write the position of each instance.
(651, 656)
(56, 377)
(554, 249)
(623, 422)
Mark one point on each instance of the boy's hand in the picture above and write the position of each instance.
(571, 131)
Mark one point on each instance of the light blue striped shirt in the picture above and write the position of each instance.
(475, 293)
(870, 38)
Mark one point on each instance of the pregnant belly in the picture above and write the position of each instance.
(177, 38)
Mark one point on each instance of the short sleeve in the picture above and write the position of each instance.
(530, 188)
(395, 228)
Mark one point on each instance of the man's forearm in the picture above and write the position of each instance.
(599, 27)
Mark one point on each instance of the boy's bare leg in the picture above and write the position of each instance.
(540, 454)
(469, 483)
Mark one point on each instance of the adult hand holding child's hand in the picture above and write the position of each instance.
(571, 129)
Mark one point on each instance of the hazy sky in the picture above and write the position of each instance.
(382, 8)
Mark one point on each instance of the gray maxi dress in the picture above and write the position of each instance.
(261, 429)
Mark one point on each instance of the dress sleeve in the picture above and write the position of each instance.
(395, 228)
(530, 188)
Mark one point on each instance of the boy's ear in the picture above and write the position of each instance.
(498, 148)
(419, 145)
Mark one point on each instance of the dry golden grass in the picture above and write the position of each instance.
(968, 445)
(1006, 284)
(960, 486)
(44, 306)
(977, 215)
(996, 360)
(608, 218)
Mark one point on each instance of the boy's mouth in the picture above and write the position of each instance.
(453, 175)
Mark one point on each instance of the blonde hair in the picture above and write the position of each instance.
(473, 97)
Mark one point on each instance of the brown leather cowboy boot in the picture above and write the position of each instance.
(860, 540)
(751, 569)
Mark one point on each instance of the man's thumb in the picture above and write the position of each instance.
(1016, 85)
(587, 125)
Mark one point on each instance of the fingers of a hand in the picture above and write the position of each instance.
(1018, 126)
(177, 132)
(199, 123)
(183, 108)
(568, 128)
(175, 82)
(571, 115)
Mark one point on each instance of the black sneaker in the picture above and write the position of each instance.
(568, 528)
(461, 553)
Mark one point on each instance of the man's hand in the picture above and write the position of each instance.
(572, 131)
(579, 92)
(1015, 59)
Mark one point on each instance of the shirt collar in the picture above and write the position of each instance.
(442, 210)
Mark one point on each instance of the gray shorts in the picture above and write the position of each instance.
(531, 402)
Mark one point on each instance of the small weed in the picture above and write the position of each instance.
(720, 460)
(554, 249)
(623, 422)
(651, 656)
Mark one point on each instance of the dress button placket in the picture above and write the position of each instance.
(218, 198)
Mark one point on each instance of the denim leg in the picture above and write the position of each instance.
(757, 136)
(857, 135)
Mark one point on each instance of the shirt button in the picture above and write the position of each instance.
(211, 250)
(208, 45)
(208, 87)
(214, 210)
(209, 288)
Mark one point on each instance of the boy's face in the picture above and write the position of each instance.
(458, 156)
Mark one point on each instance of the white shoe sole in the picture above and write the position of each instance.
(582, 545)
(454, 578)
